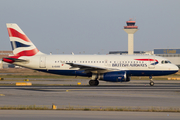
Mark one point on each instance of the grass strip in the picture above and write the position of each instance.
(138, 109)
(24, 107)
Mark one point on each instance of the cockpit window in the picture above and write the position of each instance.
(169, 62)
(165, 62)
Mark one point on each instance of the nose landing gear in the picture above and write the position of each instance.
(151, 81)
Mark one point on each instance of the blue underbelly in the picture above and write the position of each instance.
(129, 73)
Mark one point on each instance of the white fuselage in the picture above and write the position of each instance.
(114, 62)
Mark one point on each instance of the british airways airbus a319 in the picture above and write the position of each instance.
(112, 68)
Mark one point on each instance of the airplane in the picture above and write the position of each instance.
(111, 68)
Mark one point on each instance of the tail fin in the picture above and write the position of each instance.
(21, 44)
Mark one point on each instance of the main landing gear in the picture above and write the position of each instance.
(151, 81)
(93, 82)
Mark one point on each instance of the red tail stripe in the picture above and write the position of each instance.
(146, 60)
(14, 33)
(28, 52)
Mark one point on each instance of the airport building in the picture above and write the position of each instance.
(5, 54)
(134, 52)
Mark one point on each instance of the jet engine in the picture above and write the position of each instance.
(118, 76)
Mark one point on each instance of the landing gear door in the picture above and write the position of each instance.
(42, 62)
(151, 63)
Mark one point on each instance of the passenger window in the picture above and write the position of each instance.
(102, 61)
(99, 61)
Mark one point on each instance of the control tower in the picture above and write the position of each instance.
(130, 29)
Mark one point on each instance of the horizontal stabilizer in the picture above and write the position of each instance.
(11, 60)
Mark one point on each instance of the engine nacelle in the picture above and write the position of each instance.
(119, 76)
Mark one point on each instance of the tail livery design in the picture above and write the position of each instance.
(21, 44)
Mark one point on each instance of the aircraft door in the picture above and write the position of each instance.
(105, 62)
(42, 62)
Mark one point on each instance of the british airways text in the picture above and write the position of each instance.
(128, 65)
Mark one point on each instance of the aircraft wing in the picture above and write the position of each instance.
(90, 68)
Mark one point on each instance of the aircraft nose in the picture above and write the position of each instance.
(175, 68)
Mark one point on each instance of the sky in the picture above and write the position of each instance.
(92, 26)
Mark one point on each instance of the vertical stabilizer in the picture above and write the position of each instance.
(21, 44)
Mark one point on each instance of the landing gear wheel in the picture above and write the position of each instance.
(97, 82)
(93, 82)
(151, 83)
